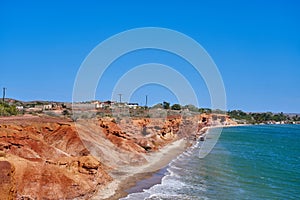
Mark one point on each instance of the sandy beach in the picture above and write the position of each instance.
(129, 176)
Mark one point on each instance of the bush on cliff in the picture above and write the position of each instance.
(7, 110)
(176, 107)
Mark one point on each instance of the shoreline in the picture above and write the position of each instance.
(125, 182)
(127, 178)
(161, 188)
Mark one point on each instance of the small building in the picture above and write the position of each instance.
(47, 107)
(132, 105)
(34, 109)
(104, 105)
(19, 108)
(99, 105)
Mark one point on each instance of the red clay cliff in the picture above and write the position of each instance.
(47, 157)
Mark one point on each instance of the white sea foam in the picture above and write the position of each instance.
(171, 182)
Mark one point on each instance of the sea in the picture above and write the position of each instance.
(248, 162)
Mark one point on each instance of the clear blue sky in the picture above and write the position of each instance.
(255, 44)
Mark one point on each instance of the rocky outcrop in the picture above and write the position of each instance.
(141, 135)
(7, 182)
(46, 159)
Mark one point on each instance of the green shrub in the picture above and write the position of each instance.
(7, 110)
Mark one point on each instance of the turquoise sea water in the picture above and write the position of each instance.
(250, 162)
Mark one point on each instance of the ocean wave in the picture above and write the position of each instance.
(171, 182)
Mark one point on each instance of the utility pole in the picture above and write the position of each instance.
(120, 97)
(146, 100)
(4, 90)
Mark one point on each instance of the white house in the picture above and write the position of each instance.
(47, 107)
(132, 105)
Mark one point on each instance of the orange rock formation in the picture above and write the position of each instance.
(52, 158)
(46, 159)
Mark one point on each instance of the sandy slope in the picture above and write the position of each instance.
(155, 161)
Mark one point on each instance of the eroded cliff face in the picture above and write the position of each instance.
(53, 158)
(46, 160)
(146, 135)
(7, 182)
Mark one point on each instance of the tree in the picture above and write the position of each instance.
(166, 105)
(191, 107)
(296, 118)
(205, 110)
(7, 110)
(159, 105)
(176, 107)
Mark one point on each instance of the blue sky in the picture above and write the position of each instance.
(255, 44)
